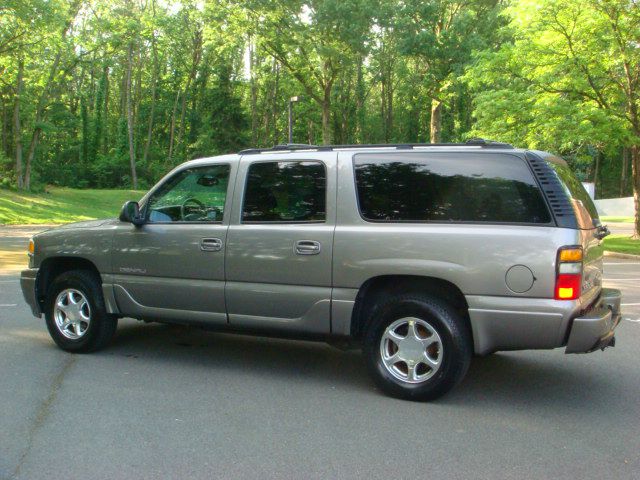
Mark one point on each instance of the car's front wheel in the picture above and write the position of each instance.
(75, 313)
(417, 347)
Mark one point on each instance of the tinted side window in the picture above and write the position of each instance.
(285, 192)
(192, 195)
(447, 187)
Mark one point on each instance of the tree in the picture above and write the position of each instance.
(442, 35)
(569, 76)
(314, 41)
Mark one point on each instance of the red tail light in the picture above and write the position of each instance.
(568, 274)
(568, 286)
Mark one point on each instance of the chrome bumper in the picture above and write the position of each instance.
(28, 285)
(595, 330)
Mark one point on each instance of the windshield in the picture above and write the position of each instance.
(585, 209)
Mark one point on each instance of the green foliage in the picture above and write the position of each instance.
(210, 77)
(622, 244)
(62, 205)
(606, 219)
(565, 79)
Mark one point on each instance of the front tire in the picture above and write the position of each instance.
(75, 313)
(417, 347)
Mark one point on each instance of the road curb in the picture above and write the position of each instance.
(628, 256)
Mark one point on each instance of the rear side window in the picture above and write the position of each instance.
(285, 192)
(421, 187)
(583, 206)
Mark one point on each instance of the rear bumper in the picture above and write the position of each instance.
(520, 323)
(28, 285)
(595, 330)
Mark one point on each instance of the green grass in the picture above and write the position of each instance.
(616, 219)
(61, 205)
(622, 244)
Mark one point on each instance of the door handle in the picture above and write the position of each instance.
(211, 244)
(307, 247)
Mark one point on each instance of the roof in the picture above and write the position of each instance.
(293, 147)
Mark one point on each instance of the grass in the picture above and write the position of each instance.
(622, 244)
(61, 205)
(617, 219)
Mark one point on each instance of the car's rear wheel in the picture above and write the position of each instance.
(75, 313)
(417, 347)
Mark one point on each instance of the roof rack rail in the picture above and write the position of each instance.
(292, 147)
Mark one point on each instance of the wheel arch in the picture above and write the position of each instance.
(377, 289)
(51, 268)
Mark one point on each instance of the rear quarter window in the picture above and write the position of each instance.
(447, 187)
(583, 206)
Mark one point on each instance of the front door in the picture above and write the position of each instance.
(172, 267)
(280, 243)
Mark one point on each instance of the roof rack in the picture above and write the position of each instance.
(292, 147)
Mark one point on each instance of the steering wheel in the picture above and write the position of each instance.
(183, 208)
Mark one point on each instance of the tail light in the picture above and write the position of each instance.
(569, 274)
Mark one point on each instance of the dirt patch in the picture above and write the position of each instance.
(13, 261)
(14, 241)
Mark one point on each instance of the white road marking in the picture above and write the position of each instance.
(8, 304)
(629, 304)
(634, 320)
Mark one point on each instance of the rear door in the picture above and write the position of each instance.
(280, 242)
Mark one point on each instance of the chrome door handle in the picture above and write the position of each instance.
(211, 244)
(307, 247)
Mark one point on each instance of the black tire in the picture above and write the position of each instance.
(102, 326)
(455, 335)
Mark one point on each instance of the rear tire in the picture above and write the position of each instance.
(417, 347)
(75, 313)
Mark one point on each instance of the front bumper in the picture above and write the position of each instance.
(28, 284)
(595, 330)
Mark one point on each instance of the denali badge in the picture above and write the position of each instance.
(140, 271)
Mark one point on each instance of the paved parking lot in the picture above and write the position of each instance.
(169, 402)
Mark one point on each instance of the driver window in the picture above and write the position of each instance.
(192, 195)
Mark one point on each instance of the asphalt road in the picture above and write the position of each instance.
(169, 402)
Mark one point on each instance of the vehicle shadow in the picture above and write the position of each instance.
(284, 360)
(512, 380)
(516, 380)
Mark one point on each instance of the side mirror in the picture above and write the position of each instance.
(130, 213)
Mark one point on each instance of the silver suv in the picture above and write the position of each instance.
(422, 254)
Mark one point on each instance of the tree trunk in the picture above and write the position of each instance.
(5, 132)
(152, 109)
(383, 108)
(388, 99)
(195, 61)
(436, 121)
(105, 141)
(310, 133)
(624, 170)
(17, 127)
(326, 123)
(635, 169)
(326, 115)
(132, 155)
(359, 133)
(274, 103)
(35, 139)
(172, 128)
(254, 93)
(596, 173)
